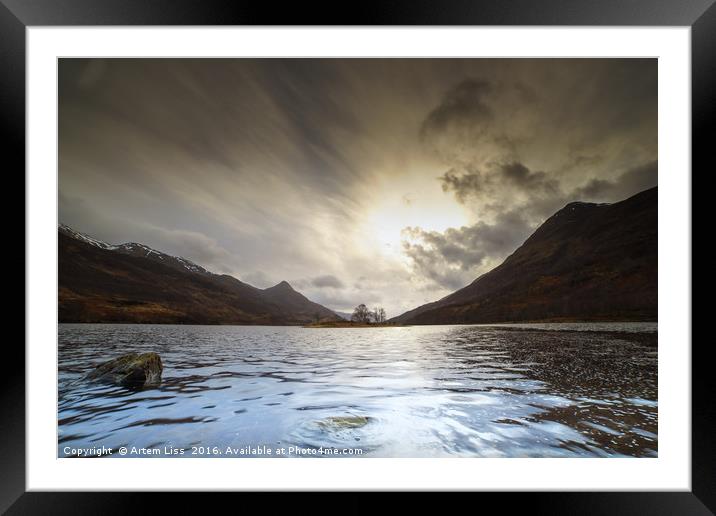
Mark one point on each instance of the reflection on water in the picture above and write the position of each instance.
(423, 391)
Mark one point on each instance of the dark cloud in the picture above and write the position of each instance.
(327, 280)
(522, 177)
(463, 112)
(629, 183)
(576, 117)
(463, 184)
(506, 177)
(452, 258)
(468, 125)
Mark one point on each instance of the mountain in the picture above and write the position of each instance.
(135, 249)
(586, 262)
(133, 283)
(285, 297)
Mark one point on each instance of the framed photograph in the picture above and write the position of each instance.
(414, 250)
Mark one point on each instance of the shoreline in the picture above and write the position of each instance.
(348, 324)
(351, 324)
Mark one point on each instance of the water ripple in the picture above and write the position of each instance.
(562, 390)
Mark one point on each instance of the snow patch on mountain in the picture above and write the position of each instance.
(65, 229)
(135, 249)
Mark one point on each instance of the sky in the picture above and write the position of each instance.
(389, 182)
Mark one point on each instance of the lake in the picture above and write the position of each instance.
(521, 390)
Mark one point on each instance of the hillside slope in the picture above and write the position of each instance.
(132, 283)
(586, 262)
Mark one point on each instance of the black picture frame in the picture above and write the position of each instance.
(17, 15)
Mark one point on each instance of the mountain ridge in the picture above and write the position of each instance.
(131, 282)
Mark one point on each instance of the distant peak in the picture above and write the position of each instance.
(284, 285)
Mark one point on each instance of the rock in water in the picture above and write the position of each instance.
(338, 422)
(130, 370)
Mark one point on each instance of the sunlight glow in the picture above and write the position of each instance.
(420, 203)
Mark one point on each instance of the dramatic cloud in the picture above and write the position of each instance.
(507, 180)
(453, 258)
(464, 115)
(310, 170)
(463, 185)
(518, 146)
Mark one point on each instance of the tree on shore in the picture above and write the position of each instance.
(361, 314)
(378, 314)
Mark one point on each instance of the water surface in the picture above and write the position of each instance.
(542, 390)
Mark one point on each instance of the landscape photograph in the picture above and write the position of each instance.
(375, 258)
